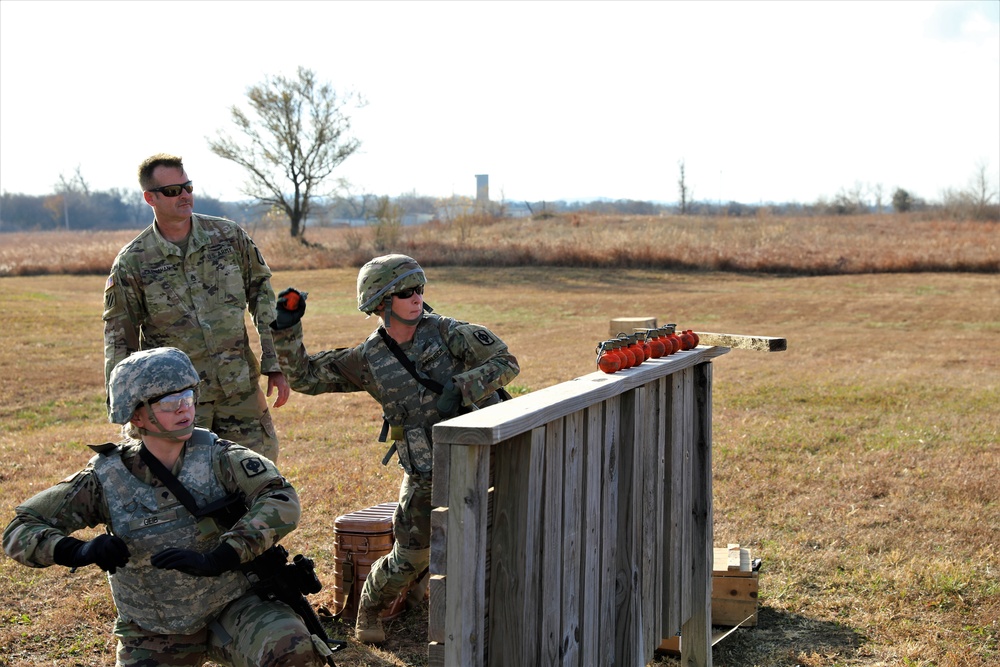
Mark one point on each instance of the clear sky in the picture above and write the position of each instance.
(763, 101)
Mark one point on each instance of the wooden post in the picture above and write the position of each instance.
(696, 649)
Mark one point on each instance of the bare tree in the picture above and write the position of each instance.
(878, 193)
(682, 190)
(73, 188)
(298, 134)
(981, 191)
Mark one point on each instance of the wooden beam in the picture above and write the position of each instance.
(741, 342)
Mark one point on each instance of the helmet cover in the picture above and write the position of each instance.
(382, 276)
(146, 375)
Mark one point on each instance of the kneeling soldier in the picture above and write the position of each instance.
(183, 511)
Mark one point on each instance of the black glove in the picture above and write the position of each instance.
(450, 400)
(222, 558)
(291, 308)
(109, 552)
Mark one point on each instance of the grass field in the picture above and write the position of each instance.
(861, 464)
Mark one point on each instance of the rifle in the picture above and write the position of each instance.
(272, 577)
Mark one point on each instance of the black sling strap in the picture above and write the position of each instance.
(183, 495)
(394, 347)
(433, 385)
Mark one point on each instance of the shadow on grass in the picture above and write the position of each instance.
(783, 639)
(405, 645)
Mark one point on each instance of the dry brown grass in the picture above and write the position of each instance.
(861, 464)
(790, 246)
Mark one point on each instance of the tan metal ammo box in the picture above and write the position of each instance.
(361, 538)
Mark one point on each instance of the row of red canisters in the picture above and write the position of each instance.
(629, 350)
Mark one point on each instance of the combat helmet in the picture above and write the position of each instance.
(379, 278)
(145, 376)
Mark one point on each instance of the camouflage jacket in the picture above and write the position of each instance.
(80, 501)
(157, 297)
(442, 349)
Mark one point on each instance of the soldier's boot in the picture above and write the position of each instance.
(368, 628)
(418, 593)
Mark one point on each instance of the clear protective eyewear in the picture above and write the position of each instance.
(175, 402)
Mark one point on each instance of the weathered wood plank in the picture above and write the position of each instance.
(609, 529)
(696, 650)
(648, 456)
(552, 561)
(465, 616)
(516, 551)
(673, 505)
(439, 488)
(505, 420)
(628, 619)
(572, 519)
(436, 607)
(741, 342)
(590, 584)
(686, 490)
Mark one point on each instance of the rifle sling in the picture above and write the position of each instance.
(183, 495)
(161, 473)
(393, 346)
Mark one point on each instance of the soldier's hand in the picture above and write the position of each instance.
(450, 400)
(221, 559)
(291, 308)
(109, 552)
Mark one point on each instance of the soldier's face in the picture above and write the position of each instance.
(410, 306)
(170, 209)
(181, 416)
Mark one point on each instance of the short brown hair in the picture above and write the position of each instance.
(151, 163)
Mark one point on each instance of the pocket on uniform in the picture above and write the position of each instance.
(420, 451)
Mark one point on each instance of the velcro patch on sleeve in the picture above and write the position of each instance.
(484, 337)
(253, 466)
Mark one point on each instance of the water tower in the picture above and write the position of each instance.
(482, 189)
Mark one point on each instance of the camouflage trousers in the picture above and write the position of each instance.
(411, 549)
(248, 633)
(242, 418)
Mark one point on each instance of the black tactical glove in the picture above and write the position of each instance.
(222, 558)
(450, 400)
(291, 307)
(109, 552)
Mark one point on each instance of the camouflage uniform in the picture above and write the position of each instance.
(157, 295)
(442, 349)
(166, 617)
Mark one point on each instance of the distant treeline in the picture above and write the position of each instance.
(120, 208)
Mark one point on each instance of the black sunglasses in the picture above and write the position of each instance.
(173, 190)
(407, 293)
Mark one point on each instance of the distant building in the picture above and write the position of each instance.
(482, 189)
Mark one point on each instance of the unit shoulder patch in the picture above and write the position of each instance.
(484, 337)
(253, 466)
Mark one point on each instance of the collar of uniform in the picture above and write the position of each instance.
(198, 238)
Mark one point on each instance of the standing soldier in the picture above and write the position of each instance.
(175, 576)
(186, 282)
(422, 368)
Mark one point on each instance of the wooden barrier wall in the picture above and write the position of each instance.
(573, 525)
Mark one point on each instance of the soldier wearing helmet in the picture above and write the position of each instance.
(175, 576)
(422, 368)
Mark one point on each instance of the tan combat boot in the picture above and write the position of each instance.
(369, 628)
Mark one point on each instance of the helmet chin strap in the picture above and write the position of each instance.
(177, 435)
(389, 315)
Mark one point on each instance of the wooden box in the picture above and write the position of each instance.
(734, 587)
(361, 538)
(734, 594)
